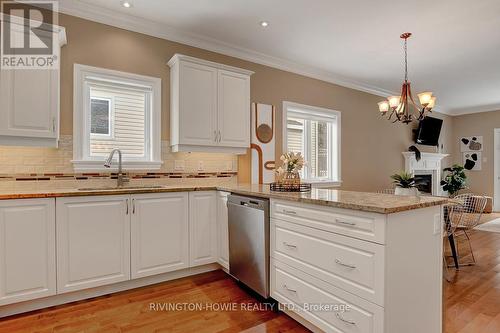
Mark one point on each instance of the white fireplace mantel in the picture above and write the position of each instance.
(429, 164)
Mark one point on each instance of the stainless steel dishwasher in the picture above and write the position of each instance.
(249, 242)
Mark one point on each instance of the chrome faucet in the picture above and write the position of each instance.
(121, 179)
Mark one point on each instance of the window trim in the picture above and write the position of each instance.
(319, 112)
(111, 114)
(82, 76)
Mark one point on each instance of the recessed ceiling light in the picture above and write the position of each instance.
(126, 4)
(264, 24)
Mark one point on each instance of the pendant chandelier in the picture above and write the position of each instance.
(403, 108)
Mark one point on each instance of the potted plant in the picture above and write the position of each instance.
(405, 184)
(454, 180)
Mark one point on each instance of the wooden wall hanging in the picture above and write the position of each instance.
(263, 143)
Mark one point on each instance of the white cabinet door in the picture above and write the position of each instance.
(233, 109)
(29, 98)
(202, 228)
(93, 241)
(197, 104)
(159, 233)
(29, 102)
(27, 250)
(222, 230)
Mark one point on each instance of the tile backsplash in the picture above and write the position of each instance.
(17, 161)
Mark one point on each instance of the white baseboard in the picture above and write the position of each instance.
(12, 309)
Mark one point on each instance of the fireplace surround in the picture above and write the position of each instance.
(428, 168)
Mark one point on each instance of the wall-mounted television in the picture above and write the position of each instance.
(428, 131)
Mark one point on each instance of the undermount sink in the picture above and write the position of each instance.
(115, 188)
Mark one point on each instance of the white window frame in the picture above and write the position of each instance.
(111, 116)
(317, 113)
(81, 101)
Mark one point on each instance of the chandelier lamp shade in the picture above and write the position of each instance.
(403, 108)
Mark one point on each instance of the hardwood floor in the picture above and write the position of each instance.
(472, 299)
(471, 304)
(130, 311)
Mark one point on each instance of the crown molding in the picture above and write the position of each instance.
(129, 22)
(474, 109)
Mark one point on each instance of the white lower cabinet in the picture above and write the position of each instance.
(375, 273)
(222, 229)
(159, 233)
(67, 244)
(325, 305)
(27, 250)
(93, 241)
(202, 228)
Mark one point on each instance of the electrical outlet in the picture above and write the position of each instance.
(437, 224)
(179, 165)
(201, 166)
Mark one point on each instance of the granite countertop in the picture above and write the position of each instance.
(363, 201)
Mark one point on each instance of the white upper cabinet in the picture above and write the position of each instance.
(27, 250)
(198, 92)
(159, 233)
(234, 109)
(29, 100)
(209, 106)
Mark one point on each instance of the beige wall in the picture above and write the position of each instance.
(478, 124)
(371, 146)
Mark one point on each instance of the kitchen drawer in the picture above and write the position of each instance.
(303, 294)
(351, 264)
(362, 225)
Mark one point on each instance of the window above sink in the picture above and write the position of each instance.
(115, 109)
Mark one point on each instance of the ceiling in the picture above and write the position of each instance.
(454, 51)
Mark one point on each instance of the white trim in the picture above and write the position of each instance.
(496, 173)
(80, 123)
(60, 31)
(473, 109)
(315, 112)
(181, 57)
(164, 31)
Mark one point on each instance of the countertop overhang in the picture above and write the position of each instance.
(363, 201)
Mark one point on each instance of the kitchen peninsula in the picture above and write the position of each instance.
(378, 254)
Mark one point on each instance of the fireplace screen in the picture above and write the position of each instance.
(424, 183)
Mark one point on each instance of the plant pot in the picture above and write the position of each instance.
(413, 191)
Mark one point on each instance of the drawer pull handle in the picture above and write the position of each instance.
(289, 212)
(345, 222)
(291, 290)
(290, 245)
(338, 262)
(339, 316)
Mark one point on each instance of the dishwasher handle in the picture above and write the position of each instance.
(247, 202)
